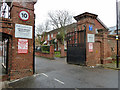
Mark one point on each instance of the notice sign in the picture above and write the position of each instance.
(24, 15)
(23, 31)
(90, 47)
(91, 37)
(22, 46)
(90, 27)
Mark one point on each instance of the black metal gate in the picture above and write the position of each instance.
(76, 47)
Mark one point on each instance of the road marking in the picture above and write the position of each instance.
(14, 81)
(44, 74)
(36, 75)
(59, 81)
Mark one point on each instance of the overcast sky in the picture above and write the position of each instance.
(105, 9)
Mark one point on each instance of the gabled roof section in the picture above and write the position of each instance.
(94, 16)
(86, 14)
(102, 23)
(113, 28)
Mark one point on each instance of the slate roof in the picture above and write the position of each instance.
(113, 29)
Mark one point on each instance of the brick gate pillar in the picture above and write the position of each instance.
(104, 48)
(52, 51)
(22, 63)
(88, 20)
(62, 51)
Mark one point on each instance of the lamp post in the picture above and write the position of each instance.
(117, 57)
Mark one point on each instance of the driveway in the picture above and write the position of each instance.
(58, 74)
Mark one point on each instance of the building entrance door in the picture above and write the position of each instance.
(5, 46)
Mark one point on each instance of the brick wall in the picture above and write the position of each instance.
(21, 65)
(6, 26)
(98, 25)
(104, 47)
(47, 55)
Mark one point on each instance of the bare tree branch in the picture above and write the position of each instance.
(40, 32)
(60, 18)
(43, 27)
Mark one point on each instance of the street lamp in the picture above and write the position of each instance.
(117, 57)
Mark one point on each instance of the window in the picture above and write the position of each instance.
(4, 10)
(4, 52)
(52, 35)
(96, 30)
(112, 49)
(48, 37)
(75, 29)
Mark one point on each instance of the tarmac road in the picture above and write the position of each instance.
(58, 74)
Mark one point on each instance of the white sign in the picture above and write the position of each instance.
(91, 37)
(90, 47)
(23, 31)
(24, 15)
(22, 46)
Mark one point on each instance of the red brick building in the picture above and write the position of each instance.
(17, 33)
(50, 37)
(104, 46)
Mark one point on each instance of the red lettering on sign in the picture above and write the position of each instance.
(22, 46)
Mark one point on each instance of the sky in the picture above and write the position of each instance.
(105, 9)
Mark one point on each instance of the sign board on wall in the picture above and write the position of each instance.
(23, 31)
(22, 46)
(90, 47)
(91, 37)
(90, 27)
(24, 15)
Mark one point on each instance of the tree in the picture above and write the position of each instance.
(43, 27)
(41, 32)
(59, 19)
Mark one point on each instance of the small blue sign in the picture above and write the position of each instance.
(90, 27)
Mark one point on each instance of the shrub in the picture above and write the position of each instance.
(45, 49)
